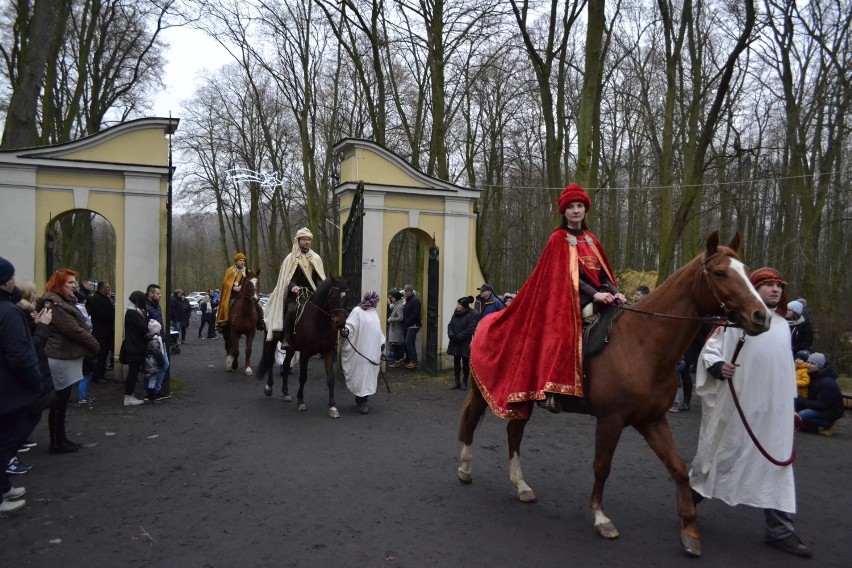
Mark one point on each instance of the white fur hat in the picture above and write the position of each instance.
(154, 327)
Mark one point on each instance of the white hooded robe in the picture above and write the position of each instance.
(727, 464)
(365, 334)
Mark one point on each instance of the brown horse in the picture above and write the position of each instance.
(323, 316)
(242, 321)
(634, 380)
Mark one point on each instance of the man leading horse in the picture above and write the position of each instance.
(231, 286)
(301, 271)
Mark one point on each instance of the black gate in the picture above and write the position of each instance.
(430, 357)
(353, 244)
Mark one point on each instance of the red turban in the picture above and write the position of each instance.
(767, 275)
(571, 194)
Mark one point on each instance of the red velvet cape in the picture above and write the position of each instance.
(534, 346)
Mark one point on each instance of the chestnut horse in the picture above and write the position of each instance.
(242, 321)
(634, 380)
(323, 316)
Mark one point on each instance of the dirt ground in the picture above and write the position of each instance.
(222, 476)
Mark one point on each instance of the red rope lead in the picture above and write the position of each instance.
(751, 435)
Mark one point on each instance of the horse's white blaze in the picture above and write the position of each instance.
(739, 268)
(254, 283)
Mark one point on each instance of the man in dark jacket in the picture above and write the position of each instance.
(20, 383)
(487, 303)
(102, 311)
(824, 405)
(411, 324)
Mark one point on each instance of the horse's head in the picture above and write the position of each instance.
(337, 301)
(727, 290)
(251, 285)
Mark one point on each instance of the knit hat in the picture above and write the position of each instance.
(767, 275)
(465, 301)
(239, 256)
(154, 327)
(803, 355)
(571, 194)
(817, 359)
(6, 270)
(796, 307)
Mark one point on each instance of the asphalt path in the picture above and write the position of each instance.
(222, 476)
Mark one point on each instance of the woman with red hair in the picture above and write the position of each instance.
(68, 342)
(533, 349)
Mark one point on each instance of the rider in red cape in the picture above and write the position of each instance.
(534, 347)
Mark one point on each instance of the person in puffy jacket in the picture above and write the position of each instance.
(68, 343)
(823, 406)
(155, 360)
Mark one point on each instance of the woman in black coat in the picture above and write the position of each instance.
(460, 329)
(133, 348)
(181, 312)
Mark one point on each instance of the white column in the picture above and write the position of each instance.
(373, 253)
(142, 232)
(18, 219)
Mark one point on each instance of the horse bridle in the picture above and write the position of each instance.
(715, 320)
(333, 310)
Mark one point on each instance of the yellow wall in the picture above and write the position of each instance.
(144, 147)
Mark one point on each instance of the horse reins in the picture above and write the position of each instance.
(715, 320)
(751, 435)
(382, 373)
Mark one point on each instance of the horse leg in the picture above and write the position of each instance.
(660, 439)
(235, 351)
(303, 378)
(607, 435)
(515, 431)
(471, 415)
(285, 389)
(229, 360)
(249, 341)
(328, 361)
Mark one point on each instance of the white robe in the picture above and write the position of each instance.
(365, 333)
(727, 464)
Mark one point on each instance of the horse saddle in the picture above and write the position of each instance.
(596, 330)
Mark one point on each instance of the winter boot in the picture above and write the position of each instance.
(457, 384)
(464, 383)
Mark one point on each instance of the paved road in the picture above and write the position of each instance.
(221, 476)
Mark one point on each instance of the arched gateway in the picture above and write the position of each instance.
(381, 195)
(120, 173)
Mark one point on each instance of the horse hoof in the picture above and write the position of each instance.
(229, 361)
(267, 390)
(249, 372)
(286, 398)
(607, 530)
(464, 476)
(691, 545)
(527, 496)
(302, 406)
(333, 413)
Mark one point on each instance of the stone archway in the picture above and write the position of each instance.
(390, 196)
(120, 173)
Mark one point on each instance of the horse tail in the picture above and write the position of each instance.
(267, 358)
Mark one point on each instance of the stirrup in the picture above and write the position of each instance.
(552, 403)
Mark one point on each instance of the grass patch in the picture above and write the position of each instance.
(845, 382)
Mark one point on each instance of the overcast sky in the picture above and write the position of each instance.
(190, 52)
